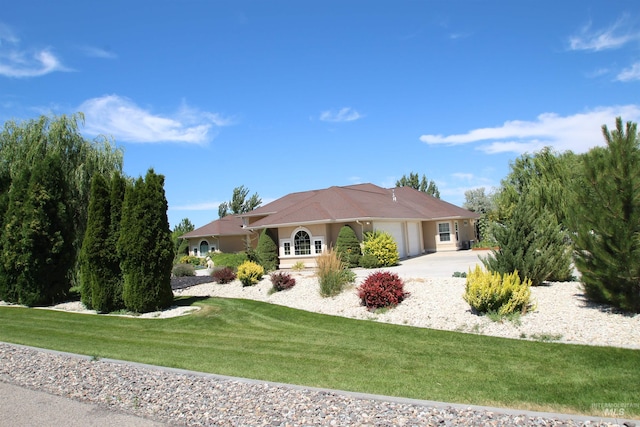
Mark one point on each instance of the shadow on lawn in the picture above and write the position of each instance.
(188, 300)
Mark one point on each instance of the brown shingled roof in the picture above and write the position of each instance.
(230, 225)
(336, 204)
(362, 201)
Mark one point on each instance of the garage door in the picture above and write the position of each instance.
(395, 229)
(413, 235)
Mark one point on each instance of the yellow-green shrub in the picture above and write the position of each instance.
(490, 292)
(190, 259)
(249, 273)
(382, 246)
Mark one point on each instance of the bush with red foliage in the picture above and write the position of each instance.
(381, 289)
(282, 281)
(224, 275)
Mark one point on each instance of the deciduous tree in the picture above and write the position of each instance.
(239, 203)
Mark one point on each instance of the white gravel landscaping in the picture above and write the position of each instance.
(561, 311)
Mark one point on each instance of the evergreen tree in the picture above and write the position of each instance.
(414, 181)
(348, 246)
(100, 274)
(13, 255)
(94, 251)
(530, 243)
(267, 252)
(606, 219)
(145, 246)
(119, 185)
(181, 245)
(5, 185)
(538, 187)
(24, 144)
(37, 243)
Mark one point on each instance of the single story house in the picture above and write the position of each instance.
(224, 234)
(304, 224)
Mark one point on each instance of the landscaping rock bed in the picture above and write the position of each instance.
(188, 281)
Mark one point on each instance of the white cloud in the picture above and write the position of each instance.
(121, 118)
(343, 115)
(578, 132)
(15, 62)
(204, 206)
(616, 36)
(629, 74)
(96, 52)
(463, 176)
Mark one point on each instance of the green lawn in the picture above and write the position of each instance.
(262, 341)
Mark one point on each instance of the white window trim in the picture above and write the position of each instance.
(312, 239)
(438, 231)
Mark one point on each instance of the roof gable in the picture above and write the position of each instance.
(229, 225)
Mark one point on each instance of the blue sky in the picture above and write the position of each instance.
(285, 96)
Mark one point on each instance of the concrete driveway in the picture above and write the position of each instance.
(437, 264)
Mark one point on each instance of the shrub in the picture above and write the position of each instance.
(250, 273)
(381, 245)
(223, 275)
(298, 266)
(332, 274)
(267, 252)
(231, 260)
(381, 289)
(348, 246)
(181, 270)
(489, 292)
(282, 281)
(190, 259)
(459, 274)
(369, 261)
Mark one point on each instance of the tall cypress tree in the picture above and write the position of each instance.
(606, 219)
(11, 244)
(37, 245)
(116, 281)
(145, 246)
(93, 253)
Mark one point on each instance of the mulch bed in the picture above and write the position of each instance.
(188, 281)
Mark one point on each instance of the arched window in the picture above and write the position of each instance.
(204, 247)
(302, 243)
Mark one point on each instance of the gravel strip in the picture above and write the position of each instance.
(561, 314)
(199, 400)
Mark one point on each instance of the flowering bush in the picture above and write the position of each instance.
(282, 281)
(250, 273)
(381, 289)
(223, 275)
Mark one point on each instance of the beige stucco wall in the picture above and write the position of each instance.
(228, 244)
(429, 236)
(329, 233)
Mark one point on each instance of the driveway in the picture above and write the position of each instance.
(437, 264)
